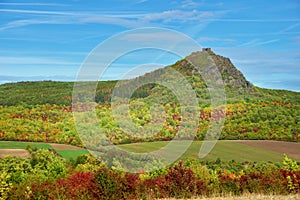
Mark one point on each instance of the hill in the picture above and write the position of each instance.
(237, 87)
(41, 111)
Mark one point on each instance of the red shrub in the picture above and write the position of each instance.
(80, 185)
(44, 190)
(181, 182)
(155, 188)
(131, 186)
(77, 186)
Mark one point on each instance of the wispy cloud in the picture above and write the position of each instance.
(190, 3)
(27, 22)
(32, 4)
(43, 53)
(141, 1)
(152, 37)
(131, 20)
(258, 42)
(113, 20)
(181, 15)
(291, 27)
(214, 39)
(18, 60)
(148, 19)
(42, 12)
(254, 20)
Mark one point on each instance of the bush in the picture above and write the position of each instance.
(108, 183)
(81, 185)
(46, 165)
(182, 183)
(45, 177)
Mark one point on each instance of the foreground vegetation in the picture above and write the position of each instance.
(250, 197)
(48, 176)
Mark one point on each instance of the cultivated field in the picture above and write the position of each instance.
(18, 149)
(291, 149)
(242, 150)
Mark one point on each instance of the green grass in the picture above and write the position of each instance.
(68, 154)
(72, 154)
(23, 145)
(225, 150)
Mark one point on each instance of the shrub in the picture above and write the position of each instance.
(80, 185)
(131, 185)
(182, 183)
(46, 165)
(228, 183)
(108, 183)
(291, 180)
(154, 188)
(5, 186)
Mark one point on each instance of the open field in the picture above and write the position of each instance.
(72, 154)
(258, 151)
(19, 153)
(64, 147)
(18, 149)
(225, 150)
(23, 145)
(291, 149)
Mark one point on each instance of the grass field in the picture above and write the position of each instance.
(72, 154)
(23, 145)
(225, 150)
(66, 153)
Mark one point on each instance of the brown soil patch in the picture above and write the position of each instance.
(65, 147)
(20, 153)
(291, 149)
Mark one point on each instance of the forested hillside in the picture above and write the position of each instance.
(42, 111)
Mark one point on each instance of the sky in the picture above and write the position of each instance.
(49, 40)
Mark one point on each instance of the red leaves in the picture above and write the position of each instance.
(80, 185)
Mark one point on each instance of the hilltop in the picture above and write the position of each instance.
(237, 87)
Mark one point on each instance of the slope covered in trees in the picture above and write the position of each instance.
(42, 111)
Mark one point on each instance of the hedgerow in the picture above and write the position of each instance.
(46, 176)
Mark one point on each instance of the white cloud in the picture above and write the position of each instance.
(132, 20)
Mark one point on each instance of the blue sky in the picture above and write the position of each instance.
(42, 40)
